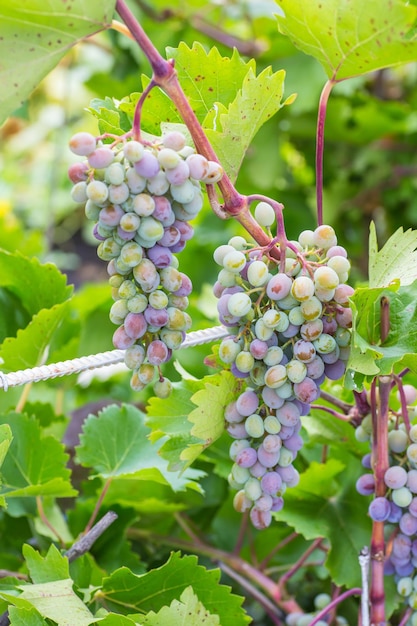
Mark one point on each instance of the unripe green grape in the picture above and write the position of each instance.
(135, 181)
(258, 273)
(262, 331)
(135, 383)
(237, 446)
(273, 356)
(241, 502)
(240, 474)
(413, 433)
(134, 356)
(302, 288)
(114, 174)
(325, 237)
(151, 229)
(133, 151)
(177, 320)
(343, 337)
(244, 361)
(183, 193)
(138, 303)
(158, 299)
(296, 371)
(275, 319)
(179, 302)
(238, 243)
(402, 497)
(127, 289)
(79, 192)
(295, 316)
(172, 338)
(339, 264)
(306, 238)
(146, 373)
(131, 254)
(108, 249)
(292, 266)
(253, 489)
(239, 304)
(143, 205)
(288, 303)
(272, 425)
(214, 174)
(285, 391)
(276, 376)
(264, 214)
(97, 192)
(312, 308)
(162, 388)
(397, 441)
(234, 261)
(326, 278)
(116, 280)
(321, 601)
(92, 211)
(226, 278)
(361, 434)
(118, 312)
(285, 457)
(228, 350)
(170, 278)
(325, 343)
(405, 586)
(412, 452)
(257, 374)
(130, 222)
(168, 158)
(221, 251)
(254, 426)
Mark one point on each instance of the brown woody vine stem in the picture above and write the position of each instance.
(165, 76)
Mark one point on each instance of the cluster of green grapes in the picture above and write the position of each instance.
(305, 619)
(398, 508)
(142, 196)
(289, 330)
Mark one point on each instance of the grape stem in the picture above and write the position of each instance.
(294, 569)
(165, 76)
(356, 591)
(403, 400)
(138, 110)
(322, 110)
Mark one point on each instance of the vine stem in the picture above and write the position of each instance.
(324, 97)
(42, 515)
(350, 592)
(284, 579)
(98, 504)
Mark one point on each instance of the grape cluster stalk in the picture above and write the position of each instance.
(289, 323)
(397, 509)
(141, 196)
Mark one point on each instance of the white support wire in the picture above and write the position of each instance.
(94, 361)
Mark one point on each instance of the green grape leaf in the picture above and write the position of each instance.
(34, 465)
(38, 286)
(53, 566)
(29, 347)
(57, 601)
(113, 619)
(35, 37)
(231, 130)
(116, 444)
(369, 355)
(187, 610)
(125, 591)
(5, 441)
(25, 616)
(201, 403)
(326, 504)
(396, 261)
(351, 37)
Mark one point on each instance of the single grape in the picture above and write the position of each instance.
(82, 144)
(264, 214)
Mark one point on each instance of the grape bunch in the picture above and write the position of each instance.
(290, 329)
(398, 507)
(142, 196)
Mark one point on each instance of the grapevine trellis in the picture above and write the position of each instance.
(95, 361)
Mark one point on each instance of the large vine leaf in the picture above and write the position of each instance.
(125, 591)
(396, 261)
(116, 444)
(351, 37)
(34, 465)
(187, 610)
(326, 504)
(231, 130)
(200, 403)
(369, 355)
(34, 37)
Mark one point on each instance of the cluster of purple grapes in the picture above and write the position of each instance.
(399, 505)
(289, 330)
(141, 196)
